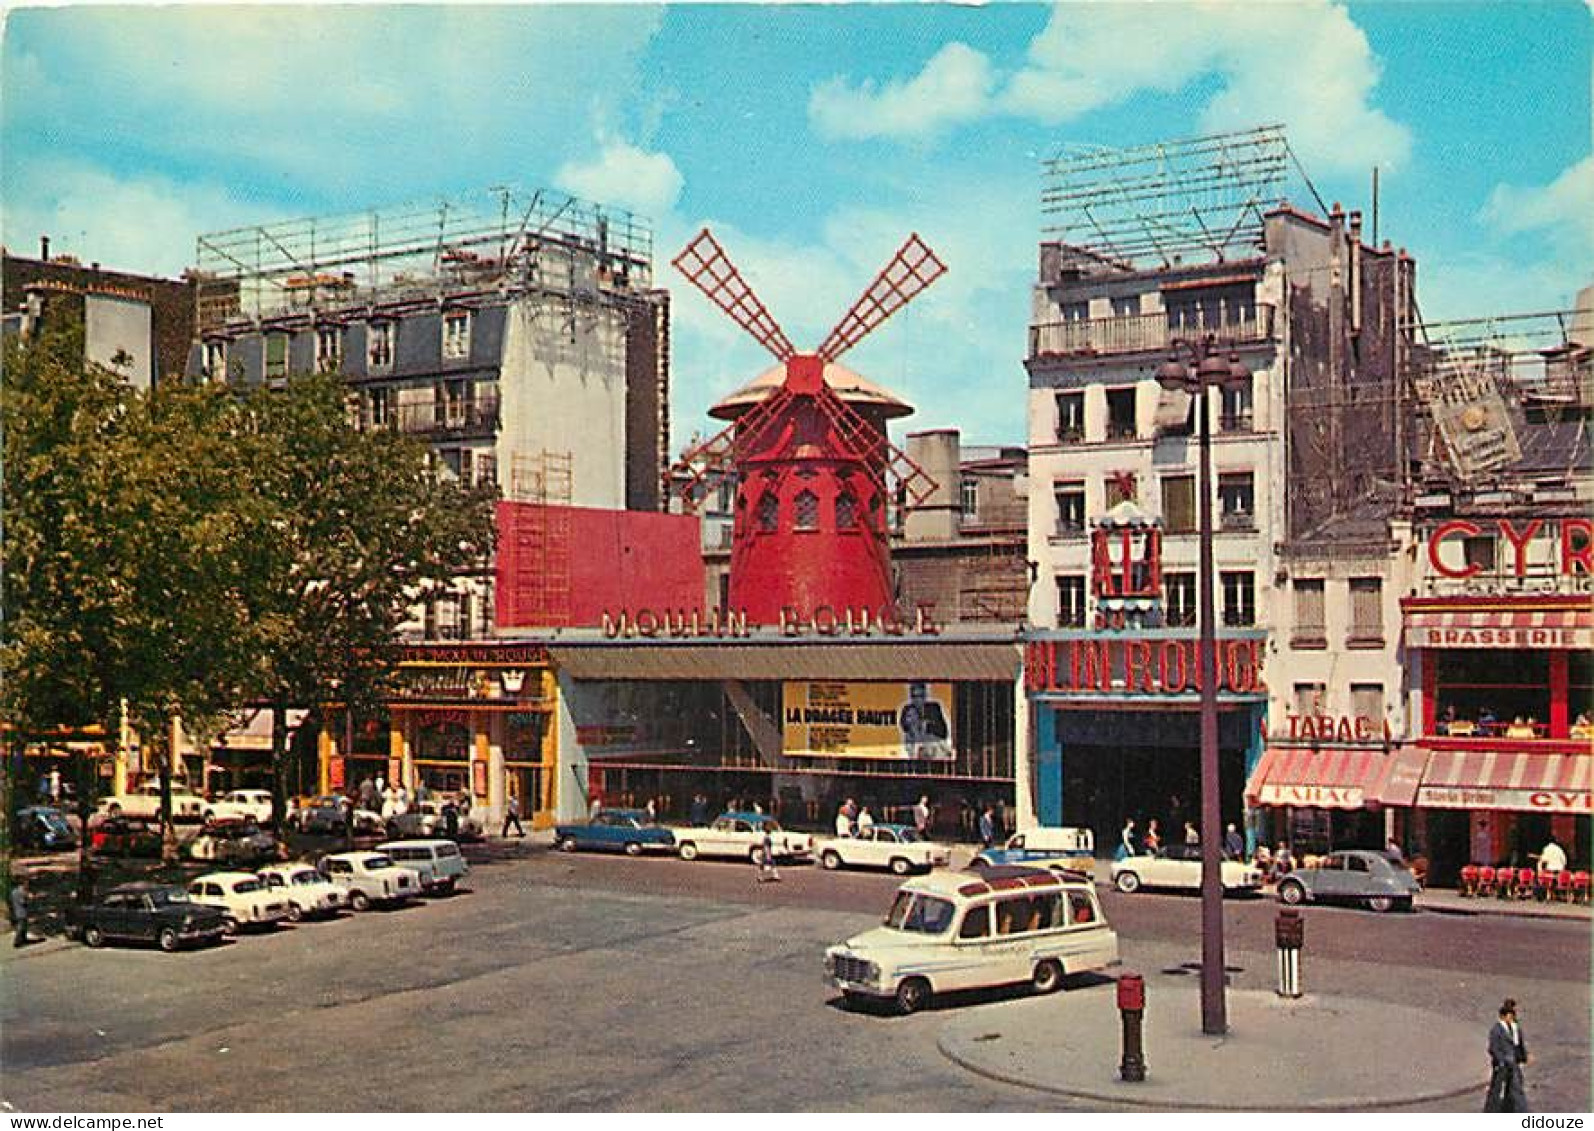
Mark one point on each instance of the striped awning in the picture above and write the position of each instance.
(1495, 626)
(1534, 783)
(1343, 778)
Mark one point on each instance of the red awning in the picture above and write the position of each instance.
(1488, 779)
(1317, 779)
(1491, 626)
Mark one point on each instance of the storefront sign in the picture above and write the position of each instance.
(1337, 728)
(1528, 800)
(490, 655)
(1560, 638)
(1572, 556)
(1313, 796)
(899, 721)
(822, 620)
(1111, 664)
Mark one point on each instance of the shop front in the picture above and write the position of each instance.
(471, 721)
(1116, 727)
(793, 724)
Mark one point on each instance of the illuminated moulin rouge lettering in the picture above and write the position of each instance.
(823, 620)
(1137, 666)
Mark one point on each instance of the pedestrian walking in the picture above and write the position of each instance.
(1552, 857)
(592, 809)
(766, 859)
(653, 811)
(843, 822)
(850, 808)
(865, 821)
(1191, 836)
(55, 786)
(921, 816)
(1153, 837)
(699, 814)
(512, 817)
(1126, 840)
(1233, 843)
(19, 912)
(450, 819)
(1508, 1052)
(987, 827)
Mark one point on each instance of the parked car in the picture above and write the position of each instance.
(234, 840)
(438, 862)
(615, 830)
(145, 913)
(370, 878)
(241, 897)
(252, 803)
(741, 835)
(1042, 847)
(1355, 876)
(898, 847)
(324, 816)
(117, 836)
(1179, 866)
(144, 803)
(307, 891)
(44, 828)
(962, 930)
(428, 819)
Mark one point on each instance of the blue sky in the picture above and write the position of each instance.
(812, 139)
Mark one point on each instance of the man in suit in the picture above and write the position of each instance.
(1507, 1054)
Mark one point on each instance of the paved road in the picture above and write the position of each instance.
(593, 983)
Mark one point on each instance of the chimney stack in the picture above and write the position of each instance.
(44, 248)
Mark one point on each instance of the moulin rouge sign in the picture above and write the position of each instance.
(822, 620)
(1128, 665)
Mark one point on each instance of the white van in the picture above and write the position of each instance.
(1045, 847)
(438, 862)
(963, 930)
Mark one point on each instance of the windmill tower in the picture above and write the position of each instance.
(808, 447)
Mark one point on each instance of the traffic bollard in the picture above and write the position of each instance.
(1289, 932)
(1132, 1006)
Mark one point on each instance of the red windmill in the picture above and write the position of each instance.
(808, 447)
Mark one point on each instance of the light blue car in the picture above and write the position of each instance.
(615, 830)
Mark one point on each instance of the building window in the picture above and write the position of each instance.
(1479, 552)
(1309, 698)
(805, 511)
(216, 361)
(487, 468)
(328, 347)
(1239, 599)
(1121, 414)
(379, 341)
(1235, 415)
(1071, 602)
(1178, 504)
(969, 496)
(1476, 695)
(1122, 487)
(1070, 417)
(1237, 500)
(1310, 630)
(1126, 306)
(1070, 507)
(276, 357)
(1075, 311)
(768, 513)
(846, 511)
(456, 335)
(1367, 702)
(727, 492)
(1366, 613)
(381, 406)
(1179, 602)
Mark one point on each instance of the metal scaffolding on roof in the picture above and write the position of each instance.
(1157, 204)
(420, 250)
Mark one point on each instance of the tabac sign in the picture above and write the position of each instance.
(1313, 796)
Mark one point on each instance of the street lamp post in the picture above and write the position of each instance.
(1208, 368)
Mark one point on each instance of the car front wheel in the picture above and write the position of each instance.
(295, 912)
(1127, 882)
(633, 848)
(1047, 978)
(1292, 892)
(168, 940)
(913, 995)
(94, 937)
(831, 860)
(360, 901)
(1381, 903)
(688, 851)
(900, 867)
(567, 844)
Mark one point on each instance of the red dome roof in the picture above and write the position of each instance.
(859, 392)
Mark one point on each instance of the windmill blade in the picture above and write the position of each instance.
(911, 270)
(710, 270)
(718, 456)
(871, 446)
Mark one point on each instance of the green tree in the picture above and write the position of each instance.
(362, 529)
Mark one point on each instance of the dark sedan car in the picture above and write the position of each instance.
(42, 827)
(1353, 876)
(118, 836)
(145, 913)
(615, 830)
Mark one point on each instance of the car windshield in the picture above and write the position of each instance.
(923, 914)
(163, 896)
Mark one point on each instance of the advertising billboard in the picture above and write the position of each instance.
(887, 721)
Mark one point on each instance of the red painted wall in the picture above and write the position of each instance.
(563, 566)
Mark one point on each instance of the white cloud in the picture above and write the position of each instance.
(1305, 63)
(954, 87)
(1565, 205)
(622, 174)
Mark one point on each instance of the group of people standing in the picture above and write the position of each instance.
(1133, 843)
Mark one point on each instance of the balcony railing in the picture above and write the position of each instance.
(435, 420)
(1140, 333)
